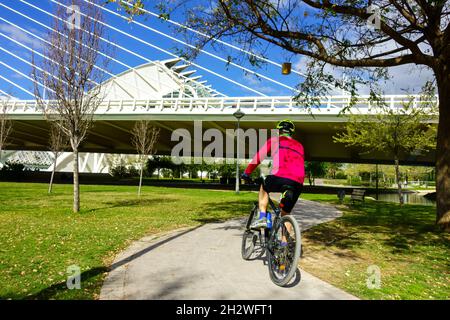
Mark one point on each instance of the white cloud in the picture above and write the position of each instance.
(405, 79)
(254, 82)
(16, 76)
(21, 36)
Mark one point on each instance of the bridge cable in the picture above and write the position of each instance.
(33, 65)
(277, 64)
(193, 47)
(153, 46)
(16, 85)
(5, 94)
(114, 77)
(23, 75)
(105, 40)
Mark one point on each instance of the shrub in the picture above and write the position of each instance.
(341, 175)
(354, 181)
(13, 169)
(121, 171)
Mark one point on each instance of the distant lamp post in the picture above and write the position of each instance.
(238, 115)
(286, 68)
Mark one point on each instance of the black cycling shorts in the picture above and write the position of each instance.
(290, 190)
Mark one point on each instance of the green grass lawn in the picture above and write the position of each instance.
(412, 253)
(40, 237)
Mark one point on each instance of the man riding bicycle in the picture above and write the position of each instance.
(287, 174)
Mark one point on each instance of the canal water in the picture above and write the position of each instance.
(411, 198)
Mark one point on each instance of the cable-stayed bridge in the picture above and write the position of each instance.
(171, 95)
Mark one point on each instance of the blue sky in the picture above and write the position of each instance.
(406, 76)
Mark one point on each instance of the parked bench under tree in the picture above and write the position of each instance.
(358, 195)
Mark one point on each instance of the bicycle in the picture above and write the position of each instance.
(282, 260)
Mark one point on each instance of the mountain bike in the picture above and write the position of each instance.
(282, 260)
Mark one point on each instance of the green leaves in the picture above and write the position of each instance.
(131, 7)
(404, 129)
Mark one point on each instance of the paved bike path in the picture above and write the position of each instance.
(206, 263)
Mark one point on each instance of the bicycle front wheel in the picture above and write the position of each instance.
(283, 259)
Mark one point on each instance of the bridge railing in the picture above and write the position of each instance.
(271, 104)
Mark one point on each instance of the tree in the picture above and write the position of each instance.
(314, 169)
(57, 142)
(179, 169)
(70, 77)
(208, 167)
(363, 37)
(332, 169)
(227, 170)
(144, 140)
(405, 130)
(193, 169)
(158, 163)
(5, 124)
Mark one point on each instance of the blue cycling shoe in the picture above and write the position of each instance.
(259, 224)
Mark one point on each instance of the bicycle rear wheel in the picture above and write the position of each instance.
(250, 237)
(283, 260)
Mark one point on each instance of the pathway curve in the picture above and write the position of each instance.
(206, 263)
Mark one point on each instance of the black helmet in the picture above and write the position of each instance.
(286, 127)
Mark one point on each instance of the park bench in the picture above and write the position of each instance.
(358, 195)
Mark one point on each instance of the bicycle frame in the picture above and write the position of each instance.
(267, 236)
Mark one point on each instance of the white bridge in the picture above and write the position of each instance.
(209, 107)
(114, 120)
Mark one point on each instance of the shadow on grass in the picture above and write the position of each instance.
(132, 203)
(232, 209)
(53, 290)
(401, 228)
(236, 208)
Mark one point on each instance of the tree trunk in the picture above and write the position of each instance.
(399, 183)
(376, 184)
(140, 180)
(443, 150)
(76, 183)
(53, 174)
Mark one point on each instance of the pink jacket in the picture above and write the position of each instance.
(288, 160)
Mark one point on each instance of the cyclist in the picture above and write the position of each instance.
(287, 174)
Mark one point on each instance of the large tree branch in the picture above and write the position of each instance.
(278, 38)
(390, 62)
(420, 58)
(408, 15)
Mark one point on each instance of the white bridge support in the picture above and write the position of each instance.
(43, 160)
(89, 163)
